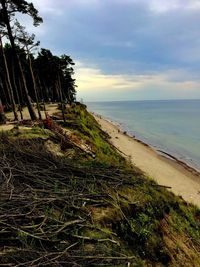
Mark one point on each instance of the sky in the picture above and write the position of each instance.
(126, 49)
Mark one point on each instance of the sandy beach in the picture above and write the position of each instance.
(183, 180)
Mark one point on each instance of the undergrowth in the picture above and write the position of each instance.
(85, 126)
(58, 211)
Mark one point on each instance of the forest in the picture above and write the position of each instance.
(29, 75)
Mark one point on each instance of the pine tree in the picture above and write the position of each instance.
(8, 8)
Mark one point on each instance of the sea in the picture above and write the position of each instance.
(172, 126)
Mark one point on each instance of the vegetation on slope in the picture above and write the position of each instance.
(83, 124)
(84, 211)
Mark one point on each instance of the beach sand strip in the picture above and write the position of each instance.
(164, 168)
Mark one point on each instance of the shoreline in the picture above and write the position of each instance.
(167, 170)
(161, 152)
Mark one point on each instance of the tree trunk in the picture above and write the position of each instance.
(46, 91)
(2, 114)
(41, 91)
(3, 85)
(28, 99)
(34, 84)
(61, 98)
(10, 90)
(16, 60)
(18, 98)
(4, 93)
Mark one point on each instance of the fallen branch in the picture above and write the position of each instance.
(96, 239)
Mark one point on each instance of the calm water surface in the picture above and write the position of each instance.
(170, 125)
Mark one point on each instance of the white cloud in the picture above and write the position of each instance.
(93, 79)
(94, 84)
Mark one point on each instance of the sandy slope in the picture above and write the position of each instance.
(165, 171)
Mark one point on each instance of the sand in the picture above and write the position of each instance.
(51, 109)
(182, 179)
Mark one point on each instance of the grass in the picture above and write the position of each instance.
(27, 133)
(85, 126)
(142, 224)
(122, 211)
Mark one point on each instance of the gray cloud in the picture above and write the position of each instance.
(126, 36)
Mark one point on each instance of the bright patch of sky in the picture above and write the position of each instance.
(126, 49)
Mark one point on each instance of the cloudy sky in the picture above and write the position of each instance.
(126, 49)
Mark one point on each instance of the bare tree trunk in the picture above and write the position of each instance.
(10, 90)
(39, 82)
(61, 97)
(28, 99)
(46, 90)
(18, 99)
(2, 114)
(4, 93)
(9, 96)
(21, 92)
(34, 84)
(3, 85)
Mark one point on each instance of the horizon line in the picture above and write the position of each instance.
(139, 100)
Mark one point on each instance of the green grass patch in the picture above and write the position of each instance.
(28, 133)
(85, 126)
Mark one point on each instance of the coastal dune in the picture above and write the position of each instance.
(180, 178)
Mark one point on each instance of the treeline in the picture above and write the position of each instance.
(27, 77)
